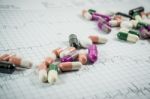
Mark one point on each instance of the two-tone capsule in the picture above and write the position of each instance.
(127, 37)
(73, 41)
(82, 57)
(52, 73)
(70, 57)
(66, 51)
(92, 53)
(42, 72)
(70, 66)
(85, 42)
(131, 31)
(97, 39)
(19, 61)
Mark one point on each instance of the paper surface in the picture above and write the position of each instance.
(33, 28)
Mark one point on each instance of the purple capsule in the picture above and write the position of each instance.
(71, 57)
(104, 27)
(95, 17)
(92, 53)
(107, 18)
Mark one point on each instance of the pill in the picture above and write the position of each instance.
(128, 24)
(42, 72)
(82, 57)
(91, 11)
(131, 31)
(98, 39)
(66, 51)
(92, 53)
(137, 17)
(57, 51)
(52, 73)
(115, 23)
(51, 58)
(127, 37)
(4, 57)
(104, 27)
(73, 41)
(85, 42)
(69, 66)
(70, 57)
(107, 18)
(141, 24)
(136, 10)
(19, 61)
(144, 33)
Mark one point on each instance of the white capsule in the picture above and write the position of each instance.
(66, 51)
(85, 42)
(132, 38)
(114, 23)
(86, 15)
(98, 39)
(52, 76)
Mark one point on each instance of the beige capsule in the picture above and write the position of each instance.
(69, 66)
(98, 39)
(42, 72)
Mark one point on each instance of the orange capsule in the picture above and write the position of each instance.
(98, 39)
(66, 51)
(82, 56)
(69, 66)
(42, 71)
(17, 60)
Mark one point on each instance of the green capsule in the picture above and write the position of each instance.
(122, 35)
(91, 11)
(52, 73)
(141, 24)
(53, 67)
(133, 32)
(137, 17)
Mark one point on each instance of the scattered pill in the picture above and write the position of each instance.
(73, 41)
(66, 51)
(128, 37)
(85, 42)
(19, 61)
(42, 71)
(98, 39)
(57, 51)
(69, 66)
(52, 73)
(136, 10)
(82, 57)
(92, 53)
(104, 27)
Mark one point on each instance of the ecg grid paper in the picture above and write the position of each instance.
(122, 70)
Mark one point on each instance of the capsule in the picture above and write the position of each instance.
(82, 57)
(42, 72)
(52, 73)
(98, 39)
(128, 37)
(85, 42)
(141, 24)
(128, 24)
(50, 59)
(115, 23)
(70, 66)
(73, 41)
(136, 10)
(91, 11)
(66, 51)
(104, 27)
(137, 17)
(57, 51)
(107, 18)
(19, 61)
(144, 33)
(4, 57)
(70, 57)
(92, 53)
(131, 31)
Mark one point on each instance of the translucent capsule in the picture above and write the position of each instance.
(128, 37)
(70, 57)
(82, 57)
(42, 71)
(19, 61)
(50, 59)
(73, 41)
(52, 73)
(92, 53)
(69, 66)
(98, 39)
(66, 51)
(85, 42)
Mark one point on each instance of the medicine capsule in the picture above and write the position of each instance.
(115, 23)
(128, 24)
(136, 10)
(98, 39)
(92, 53)
(73, 41)
(128, 37)
(42, 72)
(57, 51)
(4, 57)
(52, 73)
(91, 11)
(144, 33)
(137, 17)
(66, 51)
(107, 18)
(19, 61)
(85, 42)
(50, 59)
(131, 31)
(69, 66)
(104, 27)
(70, 57)
(82, 57)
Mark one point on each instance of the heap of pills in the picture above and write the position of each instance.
(136, 24)
(70, 58)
